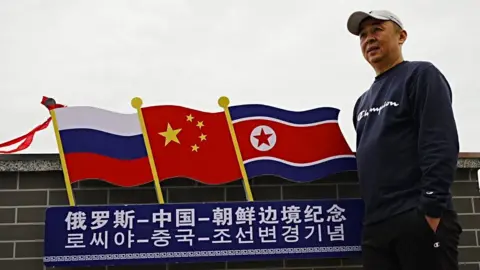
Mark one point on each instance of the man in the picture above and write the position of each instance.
(407, 150)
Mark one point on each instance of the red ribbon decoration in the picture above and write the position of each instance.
(27, 139)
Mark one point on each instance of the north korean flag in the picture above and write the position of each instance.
(298, 146)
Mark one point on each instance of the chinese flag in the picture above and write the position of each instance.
(192, 144)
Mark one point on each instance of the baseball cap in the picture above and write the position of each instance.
(353, 23)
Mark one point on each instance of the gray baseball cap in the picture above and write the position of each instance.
(353, 23)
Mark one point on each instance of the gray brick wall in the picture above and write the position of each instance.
(25, 195)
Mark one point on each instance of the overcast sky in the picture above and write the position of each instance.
(295, 54)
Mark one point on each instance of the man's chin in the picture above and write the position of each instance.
(375, 59)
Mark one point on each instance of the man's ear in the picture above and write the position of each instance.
(403, 37)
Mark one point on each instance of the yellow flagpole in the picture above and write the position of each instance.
(66, 177)
(137, 104)
(224, 102)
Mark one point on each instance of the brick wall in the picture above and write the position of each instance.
(25, 195)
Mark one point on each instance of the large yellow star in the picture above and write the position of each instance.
(170, 135)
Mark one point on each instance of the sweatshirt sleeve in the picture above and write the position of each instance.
(438, 144)
(354, 116)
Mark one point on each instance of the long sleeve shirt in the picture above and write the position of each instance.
(407, 142)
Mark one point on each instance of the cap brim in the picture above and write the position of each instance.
(353, 23)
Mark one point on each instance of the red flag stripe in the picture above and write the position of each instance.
(294, 144)
(124, 173)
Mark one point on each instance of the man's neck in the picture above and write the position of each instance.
(382, 67)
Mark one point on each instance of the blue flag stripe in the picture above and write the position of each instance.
(296, 117)
(102, 143)
(300, 174)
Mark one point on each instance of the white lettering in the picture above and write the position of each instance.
(313, 214)
(75, 240)
(161, 238)
(142, 220)
(124, 219)
(361, 115)
(291, 214)
(76, 220)
(185, 217)
(99, 219)
(312, 231)
(245, 215)
(222, 234)
(291, 234)
(365, 113)
(161, 217)
(119, 238)
(98, 240)
(267, 235)
(245, 237)
(203, 239)
(336, 214)
(337, 233)
(188, 237)
(222, 216)
(268, 216)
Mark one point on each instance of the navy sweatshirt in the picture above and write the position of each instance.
(407, 142)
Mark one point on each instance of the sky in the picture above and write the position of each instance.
(294, 54)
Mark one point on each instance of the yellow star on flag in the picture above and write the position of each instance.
(203, 137)
(170, 135)
(200, 124)
(190, 118)
(195, 148)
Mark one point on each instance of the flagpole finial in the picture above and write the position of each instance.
(223, 102)
(137, 103)
(50, 103)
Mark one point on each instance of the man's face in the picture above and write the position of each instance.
(380, 40)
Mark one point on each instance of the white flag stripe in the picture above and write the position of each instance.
(297, 164)
(282, 122)
(98, 119)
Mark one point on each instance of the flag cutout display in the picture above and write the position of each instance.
(167, 141)
(299, 146)
(192, 144)
(100, 144)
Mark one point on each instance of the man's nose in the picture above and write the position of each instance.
(370, 39)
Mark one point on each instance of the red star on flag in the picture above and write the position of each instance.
(262, 138)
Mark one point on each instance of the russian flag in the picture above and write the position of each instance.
(101, 144)
(298, 146)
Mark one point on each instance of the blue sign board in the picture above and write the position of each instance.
(197, 232)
